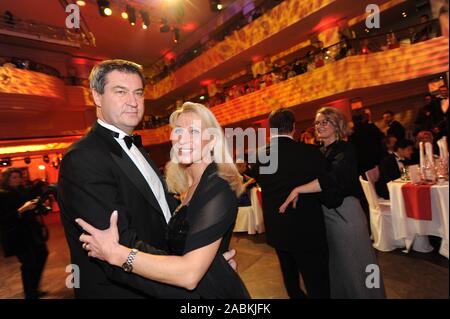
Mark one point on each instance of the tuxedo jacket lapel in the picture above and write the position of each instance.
(127, 166)
(135, 176)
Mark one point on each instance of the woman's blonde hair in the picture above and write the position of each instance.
(176, 177)
(337, 119)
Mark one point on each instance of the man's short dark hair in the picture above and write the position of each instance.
(404, 143)
(389, 112)
(283, 120)
(97, 78)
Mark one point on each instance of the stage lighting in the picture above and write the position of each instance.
(131, 15)
(176, 35)
(5, 162)
(145, 19)
(164, 26)
(27, 160)
(81, 3)
(216, 5)
(46, 159)
(103, 8)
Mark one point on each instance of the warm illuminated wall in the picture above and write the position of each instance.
(280, 17)
(26, 82)
(356, 72)
(17, 81)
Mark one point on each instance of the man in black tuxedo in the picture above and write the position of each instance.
(394, 127)
(391, 166)
(440, 109)
(109, 170)
(298, 235)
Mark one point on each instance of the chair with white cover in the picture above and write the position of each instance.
(250, 218)
(380, 218)
(245, 220)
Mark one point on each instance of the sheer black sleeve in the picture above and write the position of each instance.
(341, 178)
(212, 212)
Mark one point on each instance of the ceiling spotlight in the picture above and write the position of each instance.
(131, 13)
(404, 14)
(27, 160)
(46, 159)
(164, 26)
(81, 3)
(145, 19)
(103, 8)
(5, 161)
(216, 5)
(124, 15)
(176, 35)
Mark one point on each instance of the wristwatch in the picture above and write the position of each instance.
(127, 266)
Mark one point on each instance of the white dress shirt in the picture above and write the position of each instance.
(144, 167)
(399, 161)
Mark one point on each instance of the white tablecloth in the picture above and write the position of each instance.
(250, 218)
(410, 229)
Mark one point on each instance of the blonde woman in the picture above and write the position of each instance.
(202, 170)
(350, 248)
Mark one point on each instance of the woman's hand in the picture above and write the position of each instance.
(102, 244)
(292, 198)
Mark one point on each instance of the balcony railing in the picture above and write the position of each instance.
(353, 73)
(314, 59)
(10, 25)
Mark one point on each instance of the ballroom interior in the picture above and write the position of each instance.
(242, 59)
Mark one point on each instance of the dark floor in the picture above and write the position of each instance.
(412, 275)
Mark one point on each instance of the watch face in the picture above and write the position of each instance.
(127, 267)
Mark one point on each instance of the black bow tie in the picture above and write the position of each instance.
(129, 140)
(135, 139)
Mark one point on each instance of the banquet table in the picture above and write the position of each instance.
(412, 228)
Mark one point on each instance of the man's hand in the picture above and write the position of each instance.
(228, 255)
(30, 205)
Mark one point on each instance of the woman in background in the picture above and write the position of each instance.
(351, 256)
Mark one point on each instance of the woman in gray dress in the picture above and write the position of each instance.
(354, 271)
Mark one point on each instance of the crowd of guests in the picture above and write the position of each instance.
(321, 207)
(317, 56)
(388, 148)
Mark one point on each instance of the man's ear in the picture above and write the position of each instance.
(97, 98)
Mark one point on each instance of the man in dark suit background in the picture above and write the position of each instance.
(391, 166)
(109, 170)
(367, 140)
(394, 128)
(298, 235)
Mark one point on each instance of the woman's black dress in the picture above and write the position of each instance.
(210, 215)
